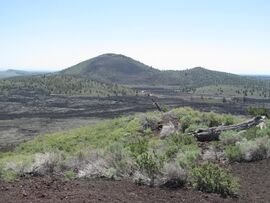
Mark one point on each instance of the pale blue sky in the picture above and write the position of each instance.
(226, 35)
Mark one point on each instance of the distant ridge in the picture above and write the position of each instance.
(15, 73)
(260, 77)
(116, 74)
(121, 69)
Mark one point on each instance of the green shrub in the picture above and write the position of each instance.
(150, 163)
(230, 137)
(9, 176)
(256, 132)
(181, 139)
(249, 150)
(187, 156)
(185, 122)
(152, 120)
(265, 132)
(136, 145)
(213, 119)
(165, 109)
(177, 142)
(233, 153)
(253, 150)
(119, 158)
(251, 133)
(228, 119)
(171, 151)
(258, 111)
(174, 175)
(210, 177)
(180, 112)
(111, 173)
(70, 174)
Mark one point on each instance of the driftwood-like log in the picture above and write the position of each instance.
(157, 105)
(210, 134)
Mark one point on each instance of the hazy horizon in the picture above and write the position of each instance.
(38, 69)
(229, 36)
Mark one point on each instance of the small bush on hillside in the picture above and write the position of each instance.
(256, 132)
(8, 175)
(173, 175)
(142, 179)
(70, 174)
(228, 119)
(265, 132)
(17, 166)
(119, 158)
(150, 163)
(48, 163)
(257, 149)
(230, 137)
(180, 112)
(213, 119)
(181, 139)
(185, 122)
(251, 133)
(258, 111)
(111, 173)
(211, 178)
(136, 145)
(81, 158)
(177, 142)
(151, 120)
(233, 153)
(165, 109)
(171, 151)
(249, 150)
(187, 156)
(95, 169)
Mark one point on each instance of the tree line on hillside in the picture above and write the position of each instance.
(63, 85)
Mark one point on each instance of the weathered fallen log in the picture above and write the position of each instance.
(157, 105)
(210, 134)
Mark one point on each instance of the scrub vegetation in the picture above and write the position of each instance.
(131, 147)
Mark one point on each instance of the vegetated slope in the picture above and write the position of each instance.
(61, 84)
(234, 91)
(135, 147)
(125, 70)
(14, 73)
(198, 77)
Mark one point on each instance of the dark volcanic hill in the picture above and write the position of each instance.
(115, 68)
(125, 70)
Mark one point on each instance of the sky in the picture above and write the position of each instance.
(224, 35)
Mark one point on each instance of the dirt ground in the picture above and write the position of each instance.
(254, 178)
